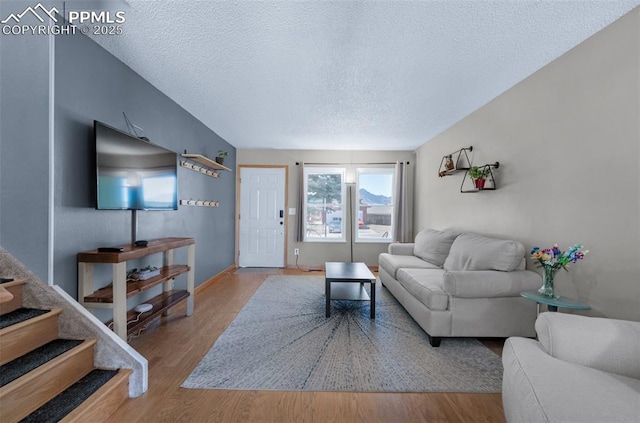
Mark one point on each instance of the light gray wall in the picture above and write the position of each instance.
(568, 140)
(315, 254)
(24, 147)
(92, 84)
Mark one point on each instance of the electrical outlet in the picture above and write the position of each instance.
(296, 251)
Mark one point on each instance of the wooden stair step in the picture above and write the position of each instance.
(21, 338)
(15, 289)
(24, 364)
(19, 315)
(5, 296)
(102, 404)
(36, 388)
(72, 397)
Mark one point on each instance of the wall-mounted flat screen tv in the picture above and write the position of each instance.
(133, 174)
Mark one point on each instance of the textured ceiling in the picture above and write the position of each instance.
(381, 75)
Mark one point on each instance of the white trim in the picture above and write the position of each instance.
(51, 139)
(135, 355)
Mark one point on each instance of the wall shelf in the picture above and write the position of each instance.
(455, 162)
(205, 161)
(489, 183)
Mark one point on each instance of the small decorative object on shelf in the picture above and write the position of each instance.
(551, 260)
(481, 176)
(455, 162)
(221, 155)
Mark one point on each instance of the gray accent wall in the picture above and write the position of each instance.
(90, 83)
(24, 147)
(568, 140)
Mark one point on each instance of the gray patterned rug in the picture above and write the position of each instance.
(281, 340)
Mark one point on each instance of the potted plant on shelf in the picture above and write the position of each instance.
(479, 175)
(221, 155)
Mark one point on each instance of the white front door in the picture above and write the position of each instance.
(262, 217)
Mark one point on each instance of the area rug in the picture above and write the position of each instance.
(281, 340)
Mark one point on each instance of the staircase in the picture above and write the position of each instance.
(47, 379)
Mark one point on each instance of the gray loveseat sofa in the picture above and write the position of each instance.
(581, 369)
(461, 284)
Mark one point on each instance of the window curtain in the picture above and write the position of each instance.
(300, 213)
(402, 207)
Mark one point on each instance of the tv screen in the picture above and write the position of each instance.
(133, 174)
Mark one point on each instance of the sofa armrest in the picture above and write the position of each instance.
(539, 388)
(401, 248)
(489, 283)
(605, 344)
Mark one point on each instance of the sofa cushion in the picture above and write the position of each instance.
(489, 283)
(426, 286)
(477, 252)
(391, 263)
(433, 246)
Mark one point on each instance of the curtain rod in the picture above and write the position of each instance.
(350, 164)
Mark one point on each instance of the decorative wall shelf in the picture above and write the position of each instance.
(205, 161)
(455, 162)
(206, 166)
(489, 183)
(199, 203)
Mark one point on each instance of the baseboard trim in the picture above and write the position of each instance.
(215, 278)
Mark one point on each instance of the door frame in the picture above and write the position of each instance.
(286, 207)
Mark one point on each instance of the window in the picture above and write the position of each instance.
(324, 211)
(374, 200)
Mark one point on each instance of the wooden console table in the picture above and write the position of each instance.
(115, 296)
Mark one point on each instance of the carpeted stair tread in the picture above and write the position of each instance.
(23, 365)
(19, 315)
(71, 398)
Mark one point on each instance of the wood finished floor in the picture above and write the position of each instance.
(175, 345)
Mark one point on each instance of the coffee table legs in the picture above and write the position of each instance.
(373, 300)
(327, 296)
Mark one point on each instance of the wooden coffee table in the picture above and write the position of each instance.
(345, 281)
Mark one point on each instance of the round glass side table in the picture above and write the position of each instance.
(554, 303)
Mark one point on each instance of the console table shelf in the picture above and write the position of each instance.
(161, 303)
(105, 295)
(115, 295)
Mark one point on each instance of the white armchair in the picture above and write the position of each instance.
(581, 369)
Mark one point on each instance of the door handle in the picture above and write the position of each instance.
(281, 214)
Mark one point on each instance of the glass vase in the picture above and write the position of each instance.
(547, 288)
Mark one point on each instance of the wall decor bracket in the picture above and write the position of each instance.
(487, 183)
(200, 203)
(455, 162)
(201, 169)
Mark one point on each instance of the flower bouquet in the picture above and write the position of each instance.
(552, 259)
